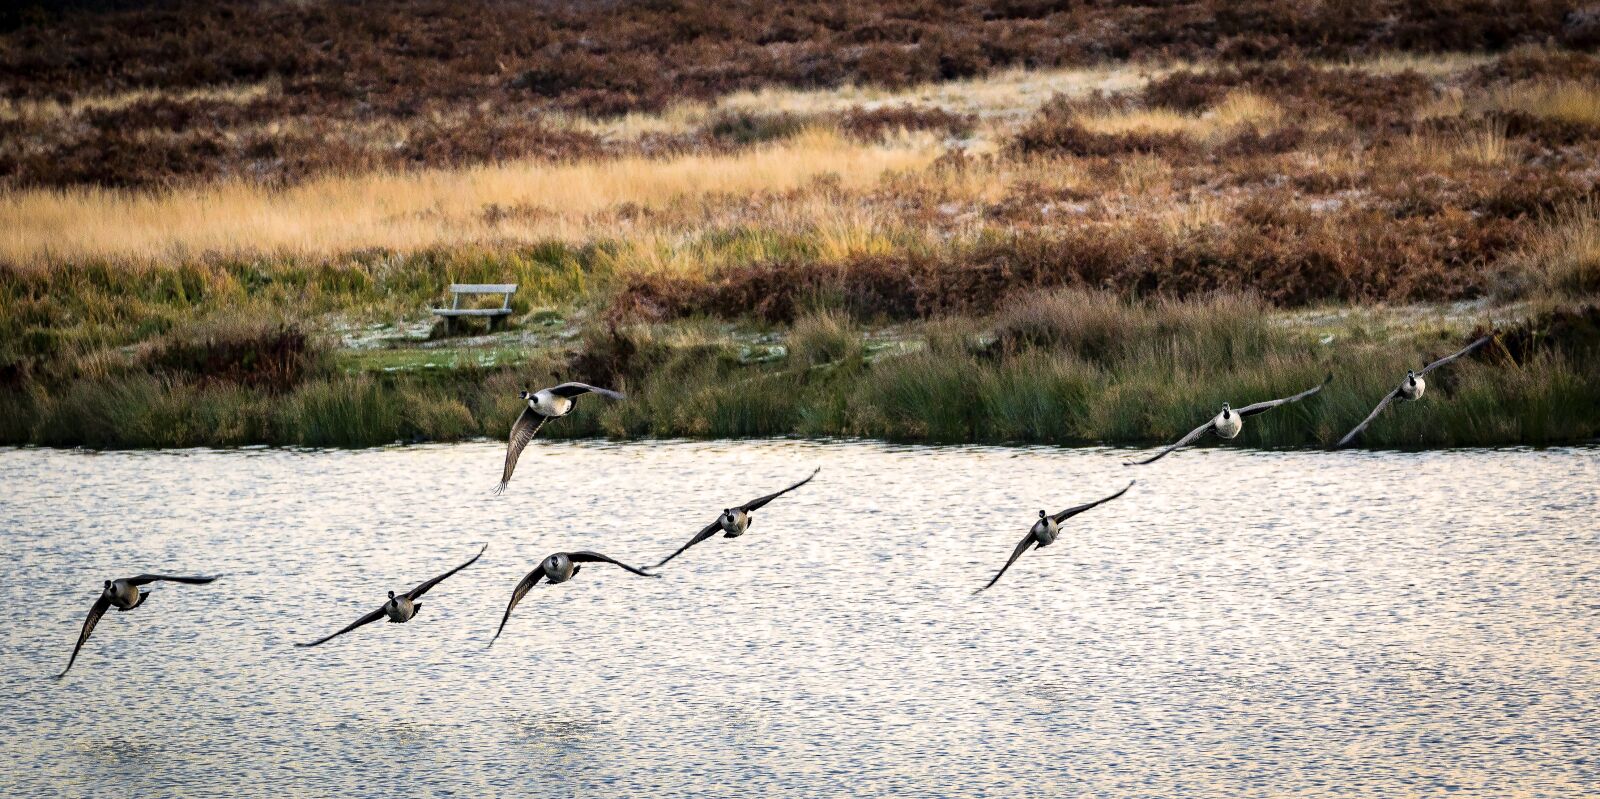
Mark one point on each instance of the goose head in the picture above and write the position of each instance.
(1042, 514)
(1227, 412)
(1411, 377)
(391, 597)
(527, 395)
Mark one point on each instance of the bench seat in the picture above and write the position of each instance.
(455, 309)
(471, 311)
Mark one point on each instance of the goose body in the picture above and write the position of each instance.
(559, 568)
(734, 522)
(548, 404)
(400, 609)
(1412, 387)
(124, 595)
(1227, 424)
(555, 569)
(543, 405)
(1046, 530)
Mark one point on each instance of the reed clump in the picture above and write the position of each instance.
(1064, 367)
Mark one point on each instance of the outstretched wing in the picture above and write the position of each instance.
(576, 389)
(1448, 358)
(1077, 509)
(698, 537)
(759, 501)
(416, 593)
(95, 613)
(523, 587)
(522, 431)
(145, 579)
(1182, 442)
(587, 556)
(1384, 403)
(367, 619)
(1016, 553)
(1262, 407)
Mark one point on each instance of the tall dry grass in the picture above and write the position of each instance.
(1574, 101)
(403, 212)
(1563, 257)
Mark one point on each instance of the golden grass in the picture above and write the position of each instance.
(1433, 65)
(1238, 109)
(326, 217)
(50, 110)
(1564, 254)
(659, 212)
(1566, 101)
(1012, 93)
(998, 98)
(1484, 146)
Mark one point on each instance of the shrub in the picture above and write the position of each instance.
(255, 353)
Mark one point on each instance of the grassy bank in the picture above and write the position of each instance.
(1067, 367)
(1052, 255)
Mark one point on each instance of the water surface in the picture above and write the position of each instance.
(1241, 624)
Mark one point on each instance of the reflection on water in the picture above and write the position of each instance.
(1240, 624)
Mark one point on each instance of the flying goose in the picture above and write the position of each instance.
(1229, 422)
(124, 595)
(543, 405)
(1409, 389)
(1044, 531)
(733, 522)
(402, 607)
(558, 568)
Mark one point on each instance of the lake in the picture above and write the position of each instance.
(1240, 624)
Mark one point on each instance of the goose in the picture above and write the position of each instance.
(124, 595)
(400, 608)
(1410, 389)
(558, 568)
(543, 405)
(1046, 529)
(1230, 421)
(733, 522)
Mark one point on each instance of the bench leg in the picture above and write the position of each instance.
(447, 326)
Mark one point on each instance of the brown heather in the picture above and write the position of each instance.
(161, 92)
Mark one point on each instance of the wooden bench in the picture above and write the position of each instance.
(455, 309)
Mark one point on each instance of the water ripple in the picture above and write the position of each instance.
(1242, 624)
